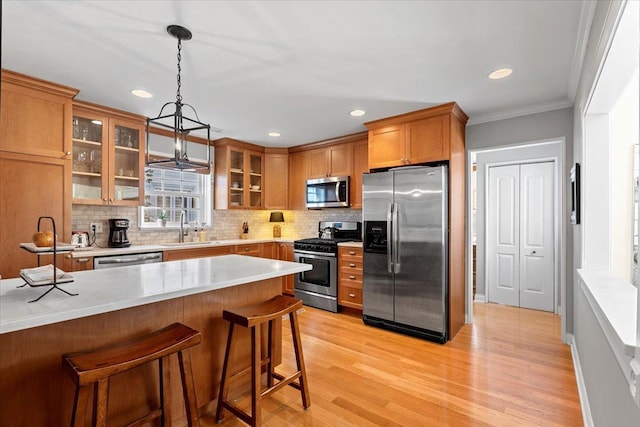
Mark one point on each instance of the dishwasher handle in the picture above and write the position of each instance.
(132, 259)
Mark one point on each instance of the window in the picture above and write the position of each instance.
(169, 192)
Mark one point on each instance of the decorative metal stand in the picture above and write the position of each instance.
(54, 251)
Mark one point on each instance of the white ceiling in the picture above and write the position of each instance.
(299, 67)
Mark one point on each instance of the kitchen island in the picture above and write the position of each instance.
(117, 304)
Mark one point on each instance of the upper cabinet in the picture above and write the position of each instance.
(360, 166)
(414, 138)
(334, 160)
(298, 175)
(35, 116)
(276, 179)
(108, 156)
(239, 175)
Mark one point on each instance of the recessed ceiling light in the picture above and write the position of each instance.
(141, 93)
(357, 113)
(274, 134)
(500, 73)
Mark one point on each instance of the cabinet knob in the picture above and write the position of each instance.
(68, 256)
(246, 249)
(68, 153)
(352, 295)
(111, 200)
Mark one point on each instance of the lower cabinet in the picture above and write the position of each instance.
(196, 253)
(77, 264)
(285, 253)
(350, 277)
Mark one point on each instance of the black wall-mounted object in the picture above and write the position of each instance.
(574, 177)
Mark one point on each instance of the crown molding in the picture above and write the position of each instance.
(520, 111)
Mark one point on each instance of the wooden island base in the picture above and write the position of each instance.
(35, 391)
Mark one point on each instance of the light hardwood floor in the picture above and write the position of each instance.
(507, 369)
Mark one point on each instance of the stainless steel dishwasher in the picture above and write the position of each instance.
(124, 260)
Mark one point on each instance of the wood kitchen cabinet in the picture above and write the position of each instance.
(334, 160)
(198, 252)
(360, 166)
(71, 264)
(35, 164)
(350, 277)
(276, 180)
(239, 175)
(250, 249)
(108, 156)
(414, 138)
(285, 253)
(298, 175)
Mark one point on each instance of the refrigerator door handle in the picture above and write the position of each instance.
(396, 239)
(389, 239)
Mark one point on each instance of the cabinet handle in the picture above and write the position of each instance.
(111, 200)
(352, 252)
(352, 265)
(83, 260)
(246, 249)
(68, 256)
(352, 295)
(352, 277)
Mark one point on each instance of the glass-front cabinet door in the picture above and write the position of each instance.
(108, 158)
(126, 166)
(89, 138)
(256, 164)
(236, 179)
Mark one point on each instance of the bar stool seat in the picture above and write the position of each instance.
(97, 366)
(253, 317)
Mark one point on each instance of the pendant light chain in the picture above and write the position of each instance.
(178, 96)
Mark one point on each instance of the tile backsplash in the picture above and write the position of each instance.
(227, 224)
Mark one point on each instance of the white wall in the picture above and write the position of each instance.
(606, 389)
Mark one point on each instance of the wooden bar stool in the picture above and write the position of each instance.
(253, 317)
(96, 366)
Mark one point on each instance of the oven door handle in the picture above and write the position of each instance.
(389, 238)
(311, 254)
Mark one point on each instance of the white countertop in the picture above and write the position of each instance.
(615, 303)
(351, 244)
(102, 291)
(136, 249)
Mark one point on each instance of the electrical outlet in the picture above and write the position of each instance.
(96, 227)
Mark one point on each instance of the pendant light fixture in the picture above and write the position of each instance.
(179, 124)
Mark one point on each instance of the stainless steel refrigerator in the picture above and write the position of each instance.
(405, 251)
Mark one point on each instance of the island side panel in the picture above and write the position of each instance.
(34, 390)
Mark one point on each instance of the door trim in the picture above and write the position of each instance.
(526, 152)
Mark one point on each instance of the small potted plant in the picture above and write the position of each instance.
(162, 218)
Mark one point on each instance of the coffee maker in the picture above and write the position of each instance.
(118, 233)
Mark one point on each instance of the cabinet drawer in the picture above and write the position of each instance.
(351, 278)
(349, 252)
(354, 265)
(249, 249)
(350, 297)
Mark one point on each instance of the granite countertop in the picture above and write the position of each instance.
(102, 291)
(137, 249)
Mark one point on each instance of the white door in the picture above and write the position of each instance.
(520, 254)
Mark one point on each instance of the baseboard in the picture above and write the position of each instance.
(480, 298)
(582, 388)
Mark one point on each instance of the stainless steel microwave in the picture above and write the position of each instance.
(331, 192)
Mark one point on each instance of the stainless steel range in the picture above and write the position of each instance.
(319, 287)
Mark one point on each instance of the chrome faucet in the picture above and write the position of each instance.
(183, 232)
